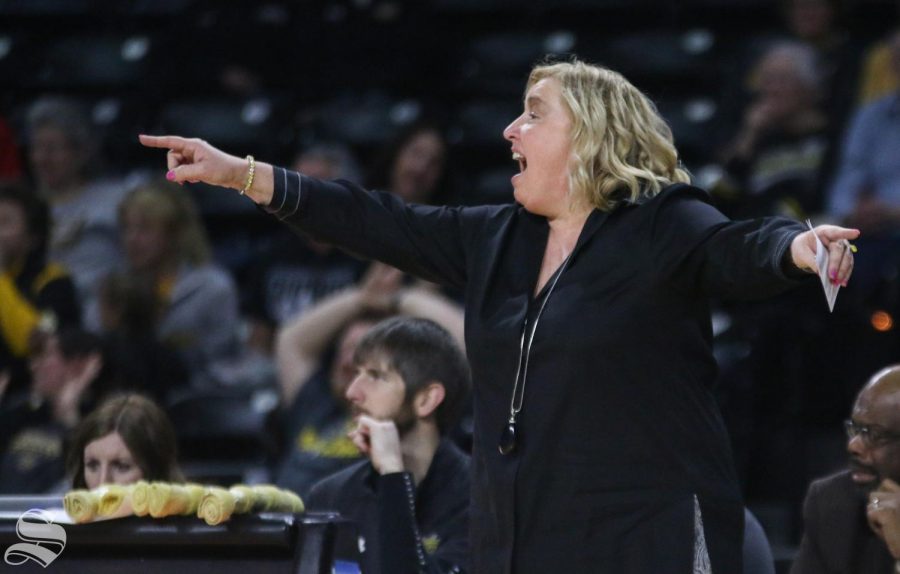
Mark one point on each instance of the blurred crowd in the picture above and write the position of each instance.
(113, 280)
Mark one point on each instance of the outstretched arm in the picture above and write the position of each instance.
(426, 241)
(194, 160)
(694, 244)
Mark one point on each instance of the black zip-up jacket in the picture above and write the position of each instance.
(619, 432)
(404, 529)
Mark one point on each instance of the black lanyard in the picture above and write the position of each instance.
(508, 436)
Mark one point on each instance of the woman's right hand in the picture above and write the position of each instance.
(194, 160)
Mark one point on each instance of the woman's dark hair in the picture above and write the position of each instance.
(37, 214)
(380, 172)
(145, 429)
(133, 299)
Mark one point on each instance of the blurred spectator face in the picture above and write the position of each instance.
(379, 391)
(810, 20)
(781, 85)
(874, 458)
(418, 167)
(327, 161)
(317, 166)
(146, 240)
(50, 369)
(15, 240)
(343, 369)
(55, 161)
(107, 460)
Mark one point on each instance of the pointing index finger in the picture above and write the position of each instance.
(833, 233)
(167, 142)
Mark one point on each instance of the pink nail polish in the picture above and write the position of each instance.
(170, 175)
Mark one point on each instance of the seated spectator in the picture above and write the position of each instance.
(410, 499)
(126, 439)
(821, 25)
(129, 315)
(866, 189)
(290, 277)
(63, 157)
(314, 380)
(166, 246)
(414, 165)
(33, 291)
(774, 162)
(880, 75)
(837, 538)
(865, 192)
(68, 371)
(327, 161)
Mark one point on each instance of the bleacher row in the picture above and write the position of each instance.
(268, 77)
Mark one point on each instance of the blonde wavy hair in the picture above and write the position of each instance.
(171, 207)
(619, 140)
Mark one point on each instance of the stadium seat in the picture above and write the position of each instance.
(240, 125)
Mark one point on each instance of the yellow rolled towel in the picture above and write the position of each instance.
(195, 495)
(140, 498)
(274, 499)
(295, 503)
(266, 497)
(81, 505)
(244, 498)
(172, 499)
(114, 501)
(216, 506)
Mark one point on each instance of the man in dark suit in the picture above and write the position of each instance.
(838, 538)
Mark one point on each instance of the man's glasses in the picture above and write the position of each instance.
(872, 435)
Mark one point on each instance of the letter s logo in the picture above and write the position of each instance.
(44, 541)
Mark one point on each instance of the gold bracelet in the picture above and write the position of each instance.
(250, 174)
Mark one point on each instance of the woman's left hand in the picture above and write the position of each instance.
(837, 242)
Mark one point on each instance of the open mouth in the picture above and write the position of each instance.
(523, 163)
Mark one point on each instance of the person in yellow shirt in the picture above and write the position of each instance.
(33, 291)
(880, 76)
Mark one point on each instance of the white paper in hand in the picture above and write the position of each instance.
(822, 257)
